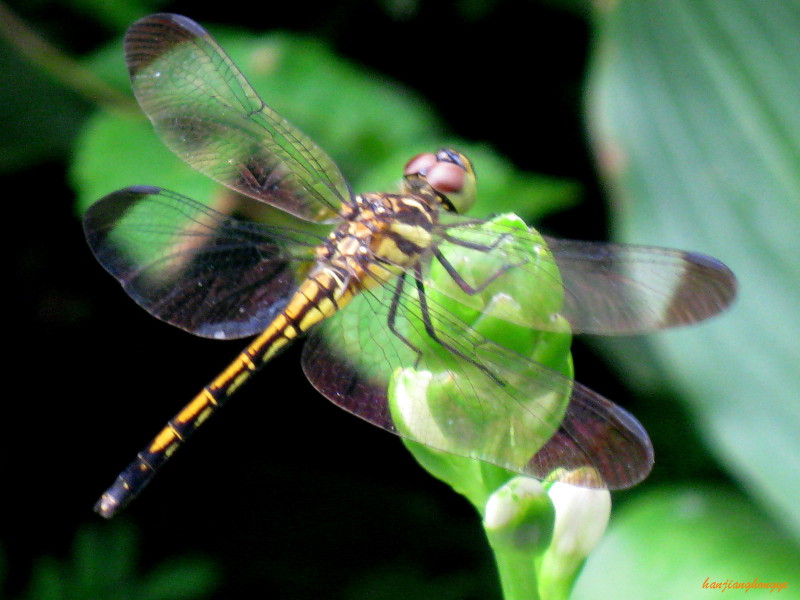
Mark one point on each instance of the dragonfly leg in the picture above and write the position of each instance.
(431, 331)
(392, 316)
(461, 282)
(477, 245)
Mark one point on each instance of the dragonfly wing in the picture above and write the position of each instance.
(601, 288)
(617, 289)
(191, 266)
(208, 114)
(625, 456)
(468, 395)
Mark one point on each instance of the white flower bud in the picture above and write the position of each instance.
(581, 518)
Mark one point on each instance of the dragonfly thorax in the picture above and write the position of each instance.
(380, 237)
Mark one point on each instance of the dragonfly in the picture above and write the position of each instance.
(400, 325)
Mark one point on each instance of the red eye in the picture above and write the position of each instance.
(446, 178)
(419, 164)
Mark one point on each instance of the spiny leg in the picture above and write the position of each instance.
(431, 331)
(426, 321)
(392, 316)
(456, 276)
(461, 282)
(474, 245)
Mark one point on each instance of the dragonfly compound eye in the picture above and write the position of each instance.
(419, 164)
(449, 173)
(446, 178)
(453, 177)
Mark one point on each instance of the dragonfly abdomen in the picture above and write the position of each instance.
(318, 297)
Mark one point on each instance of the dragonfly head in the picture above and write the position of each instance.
(448, 173)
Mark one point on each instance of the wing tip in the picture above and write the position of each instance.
(598, 445)
(149, 38)
(719, 284)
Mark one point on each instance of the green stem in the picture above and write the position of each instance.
(517, 575)
(61, 67)
(559, 588)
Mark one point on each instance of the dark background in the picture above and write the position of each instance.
(287, 495)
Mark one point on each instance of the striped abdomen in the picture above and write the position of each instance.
(318, 297)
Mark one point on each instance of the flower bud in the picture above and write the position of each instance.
(581, 518)
(519, 517)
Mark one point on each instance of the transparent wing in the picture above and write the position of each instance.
(193, 267)
(617, 289)
(606, 289)
(468, 394)
(208, 114)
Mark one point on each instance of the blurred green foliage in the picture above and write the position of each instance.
(104, 566)
(669, 540)
(28, 98)
(692, 108)
(370, 126)
(694, 113)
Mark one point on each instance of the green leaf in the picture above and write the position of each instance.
(179, 579)
(103, 566)
(47, 580)
(694, 113)
(691, 535)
